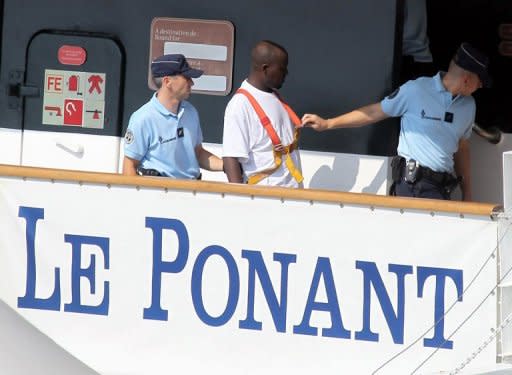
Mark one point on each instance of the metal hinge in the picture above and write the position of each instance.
(17, 90)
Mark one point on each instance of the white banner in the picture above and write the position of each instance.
(153, 281)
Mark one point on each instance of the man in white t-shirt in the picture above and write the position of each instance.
(250, 153)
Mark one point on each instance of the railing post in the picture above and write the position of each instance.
(505, 264)
(507, 181)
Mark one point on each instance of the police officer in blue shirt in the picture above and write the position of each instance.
(164, 136)
(437, 114)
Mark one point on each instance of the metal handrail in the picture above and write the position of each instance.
(311, 195)
(492, 134)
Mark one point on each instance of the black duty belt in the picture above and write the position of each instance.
(153, 172)
(439, 178)
(406, 168)
(411, 172)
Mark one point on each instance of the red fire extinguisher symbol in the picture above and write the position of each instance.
(74, 84)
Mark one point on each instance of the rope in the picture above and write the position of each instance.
(464, 321)
(505, 322)
(421, 336)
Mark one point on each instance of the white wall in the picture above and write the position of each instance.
(10, 146)
(84, 152)
(487, 168)
(26, 351)
(333, 171)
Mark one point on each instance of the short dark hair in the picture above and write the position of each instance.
(264, 52)
(274, 44)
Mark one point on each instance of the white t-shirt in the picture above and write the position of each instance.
(245, 137)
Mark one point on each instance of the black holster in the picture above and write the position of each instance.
(397, 167)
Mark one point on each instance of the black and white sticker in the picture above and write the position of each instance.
(128, 137)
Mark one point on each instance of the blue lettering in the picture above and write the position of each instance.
(395, 320)
(323, 268)
(277, 309)
(29, 300)
(197, 290)
(89, 273)
(438, 340)
(277, 305)
(157, 225)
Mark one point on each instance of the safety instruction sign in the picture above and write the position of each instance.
(207, 44)
(74, 98)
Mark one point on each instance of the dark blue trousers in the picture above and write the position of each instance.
(421, 189)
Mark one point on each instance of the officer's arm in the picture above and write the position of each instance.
(463, 168)
(207, 160)
(130, 166)
(360, 117)
(232, 169)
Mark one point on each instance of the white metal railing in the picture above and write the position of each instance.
(507, 181)
(505, 263)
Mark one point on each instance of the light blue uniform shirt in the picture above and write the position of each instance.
(163, 140)
(426, 133)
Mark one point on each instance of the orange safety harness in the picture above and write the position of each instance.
(279, 149)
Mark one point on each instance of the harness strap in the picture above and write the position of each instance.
(278, 160)
(293, 116)
(279, 149)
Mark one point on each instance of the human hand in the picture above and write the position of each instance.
(279, 148)
(314, 121)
